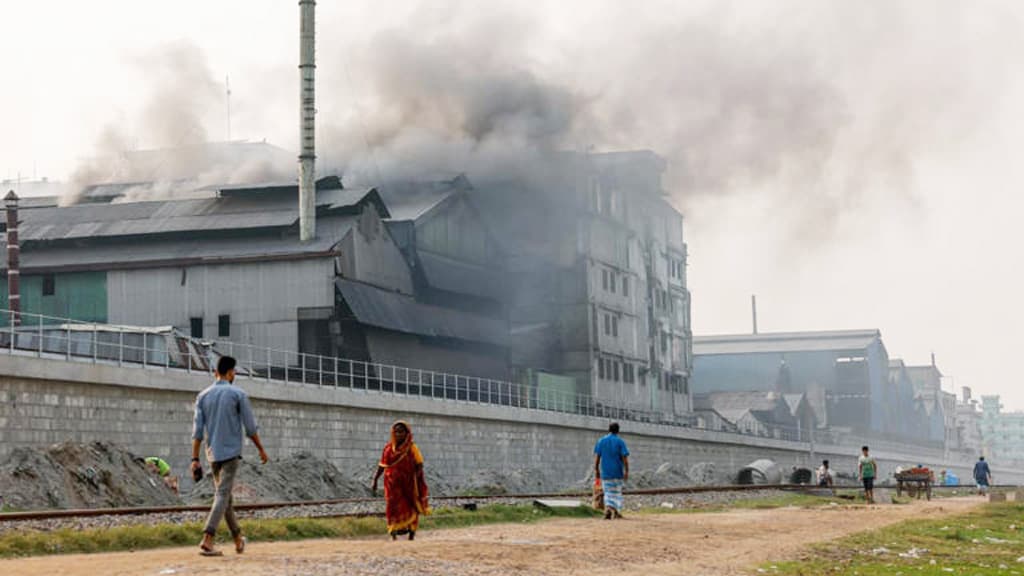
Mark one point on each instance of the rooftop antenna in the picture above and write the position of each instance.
(227, 98)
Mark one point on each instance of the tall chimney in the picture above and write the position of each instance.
(753, 310)
(307, 111)
(13, 259)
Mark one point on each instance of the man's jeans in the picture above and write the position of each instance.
(223, 503)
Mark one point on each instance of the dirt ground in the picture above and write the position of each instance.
(650, 545)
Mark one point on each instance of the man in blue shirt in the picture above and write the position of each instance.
(611, 466)
(982, 475)
(222, 411)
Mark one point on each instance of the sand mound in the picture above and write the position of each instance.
(295, 478)
(73, 475)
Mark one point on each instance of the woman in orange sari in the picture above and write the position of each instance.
(405, 490)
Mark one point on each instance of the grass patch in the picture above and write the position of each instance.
(983, 542)
(788, 499)
(124, 538)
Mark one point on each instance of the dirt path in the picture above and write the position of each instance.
(651, 545)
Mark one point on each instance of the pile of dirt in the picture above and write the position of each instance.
(74, 475)
(299, 477)
(498, 482)
(667, 475)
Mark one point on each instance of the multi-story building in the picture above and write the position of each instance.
(597, 279)
(968, 423)
(1002, 433)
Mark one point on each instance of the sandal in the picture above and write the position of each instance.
(203, 551)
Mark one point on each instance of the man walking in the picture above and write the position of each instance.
(867, 469)
(982, 476)
(222, 411)
(611, 466)
(825, 477)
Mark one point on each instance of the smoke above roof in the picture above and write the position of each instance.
(819, 108)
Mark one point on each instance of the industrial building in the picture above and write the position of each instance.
(576, 287)
(230, 267)
(1002, 433)
(596, 269)
(846, 377)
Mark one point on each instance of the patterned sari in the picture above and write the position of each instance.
(405, 489)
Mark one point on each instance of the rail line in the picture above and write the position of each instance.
(256, 506)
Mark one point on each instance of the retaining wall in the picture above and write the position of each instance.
(149, 411)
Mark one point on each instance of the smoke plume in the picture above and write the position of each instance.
(166, 151)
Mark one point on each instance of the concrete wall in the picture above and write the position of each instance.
(149, 411)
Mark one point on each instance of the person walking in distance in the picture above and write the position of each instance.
(611, 466)
(222, 412)
(867, 470)
(982, 476)
(825, 477)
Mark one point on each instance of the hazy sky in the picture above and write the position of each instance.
(854, 164)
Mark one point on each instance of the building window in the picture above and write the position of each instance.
(604, 278)
(664, 342)
(600, 368)
(49, 285)
(614, 279)
(625, 286)
(195, 326)
(224, 326)
(607, 324)
(615, 370)
(615, 326)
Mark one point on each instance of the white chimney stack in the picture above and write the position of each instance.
(307, 111)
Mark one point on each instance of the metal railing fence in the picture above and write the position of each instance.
(169, 349)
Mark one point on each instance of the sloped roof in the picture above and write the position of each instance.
(373, 306)
(785, 342)
(229, 212)
(411, 200)
(182, 251)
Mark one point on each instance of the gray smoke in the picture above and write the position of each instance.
(166, 151)
(825, 107)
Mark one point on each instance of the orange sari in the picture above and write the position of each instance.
(405, 489)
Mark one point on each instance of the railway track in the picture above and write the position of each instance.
(32, 515)
(256, 506)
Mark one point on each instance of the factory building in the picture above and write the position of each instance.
(576, 287)
(230, 267)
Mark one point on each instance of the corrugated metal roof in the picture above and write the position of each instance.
(193, 250)
(785, 342)
(393, 311)
(454, 276)
(413, 199)
(240, 212)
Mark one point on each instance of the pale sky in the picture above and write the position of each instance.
(854, 164)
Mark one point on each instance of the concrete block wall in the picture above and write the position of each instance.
(149, 411)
